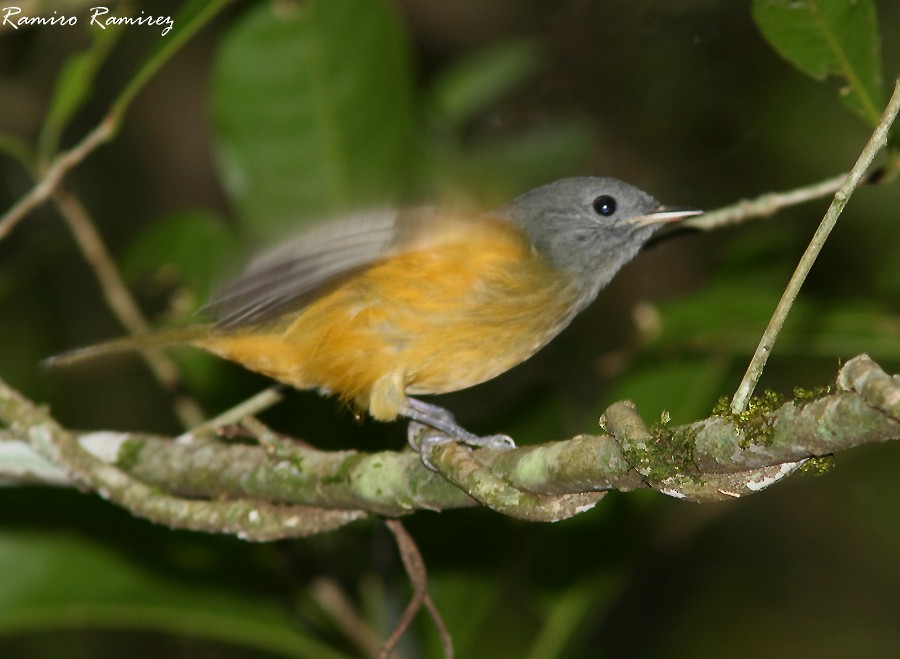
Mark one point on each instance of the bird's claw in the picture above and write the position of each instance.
(423, 440)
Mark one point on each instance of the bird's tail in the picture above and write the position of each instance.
(181, 335)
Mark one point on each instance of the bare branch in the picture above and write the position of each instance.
(876, 143)
(765, 205)
(121, 302)
(415, 570)
(106, 129)
(283, 488)
(54, 174)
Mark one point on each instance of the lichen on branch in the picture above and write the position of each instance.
(277, 489)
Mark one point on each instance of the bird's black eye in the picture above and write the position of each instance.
(604, 205)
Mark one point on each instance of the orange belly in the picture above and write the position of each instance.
(430, 321)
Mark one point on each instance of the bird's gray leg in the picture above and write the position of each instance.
(438, 419)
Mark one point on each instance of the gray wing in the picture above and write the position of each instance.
(287, 275)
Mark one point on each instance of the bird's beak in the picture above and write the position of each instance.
(664, 215)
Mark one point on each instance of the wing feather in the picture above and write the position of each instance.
(288, 275)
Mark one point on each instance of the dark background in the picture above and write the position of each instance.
(684, 99)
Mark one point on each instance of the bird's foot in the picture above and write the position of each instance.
(431, 425)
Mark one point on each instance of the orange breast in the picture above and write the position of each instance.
(470, 304)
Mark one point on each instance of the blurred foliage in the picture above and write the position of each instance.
(331, 123)
(196, 246)
(57, 581)
(285, 111)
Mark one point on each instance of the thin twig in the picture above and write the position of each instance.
(89, 241)
(438, 620)
(122, 304)
(248, 408)
(841, 197)
(415, 570)
(108, 126)
(330, 596)
(48, 185)
(770, 203)
(765, 205)
(55, 172)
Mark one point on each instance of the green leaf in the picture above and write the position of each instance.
(313, 109)
(73, 86)
(473, 84)
(54, 581)
(192, 248)
(829, 37)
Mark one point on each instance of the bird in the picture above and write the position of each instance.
(383, 306)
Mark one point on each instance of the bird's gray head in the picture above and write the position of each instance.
(589, 227)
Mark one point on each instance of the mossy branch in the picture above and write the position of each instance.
(279, 488)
